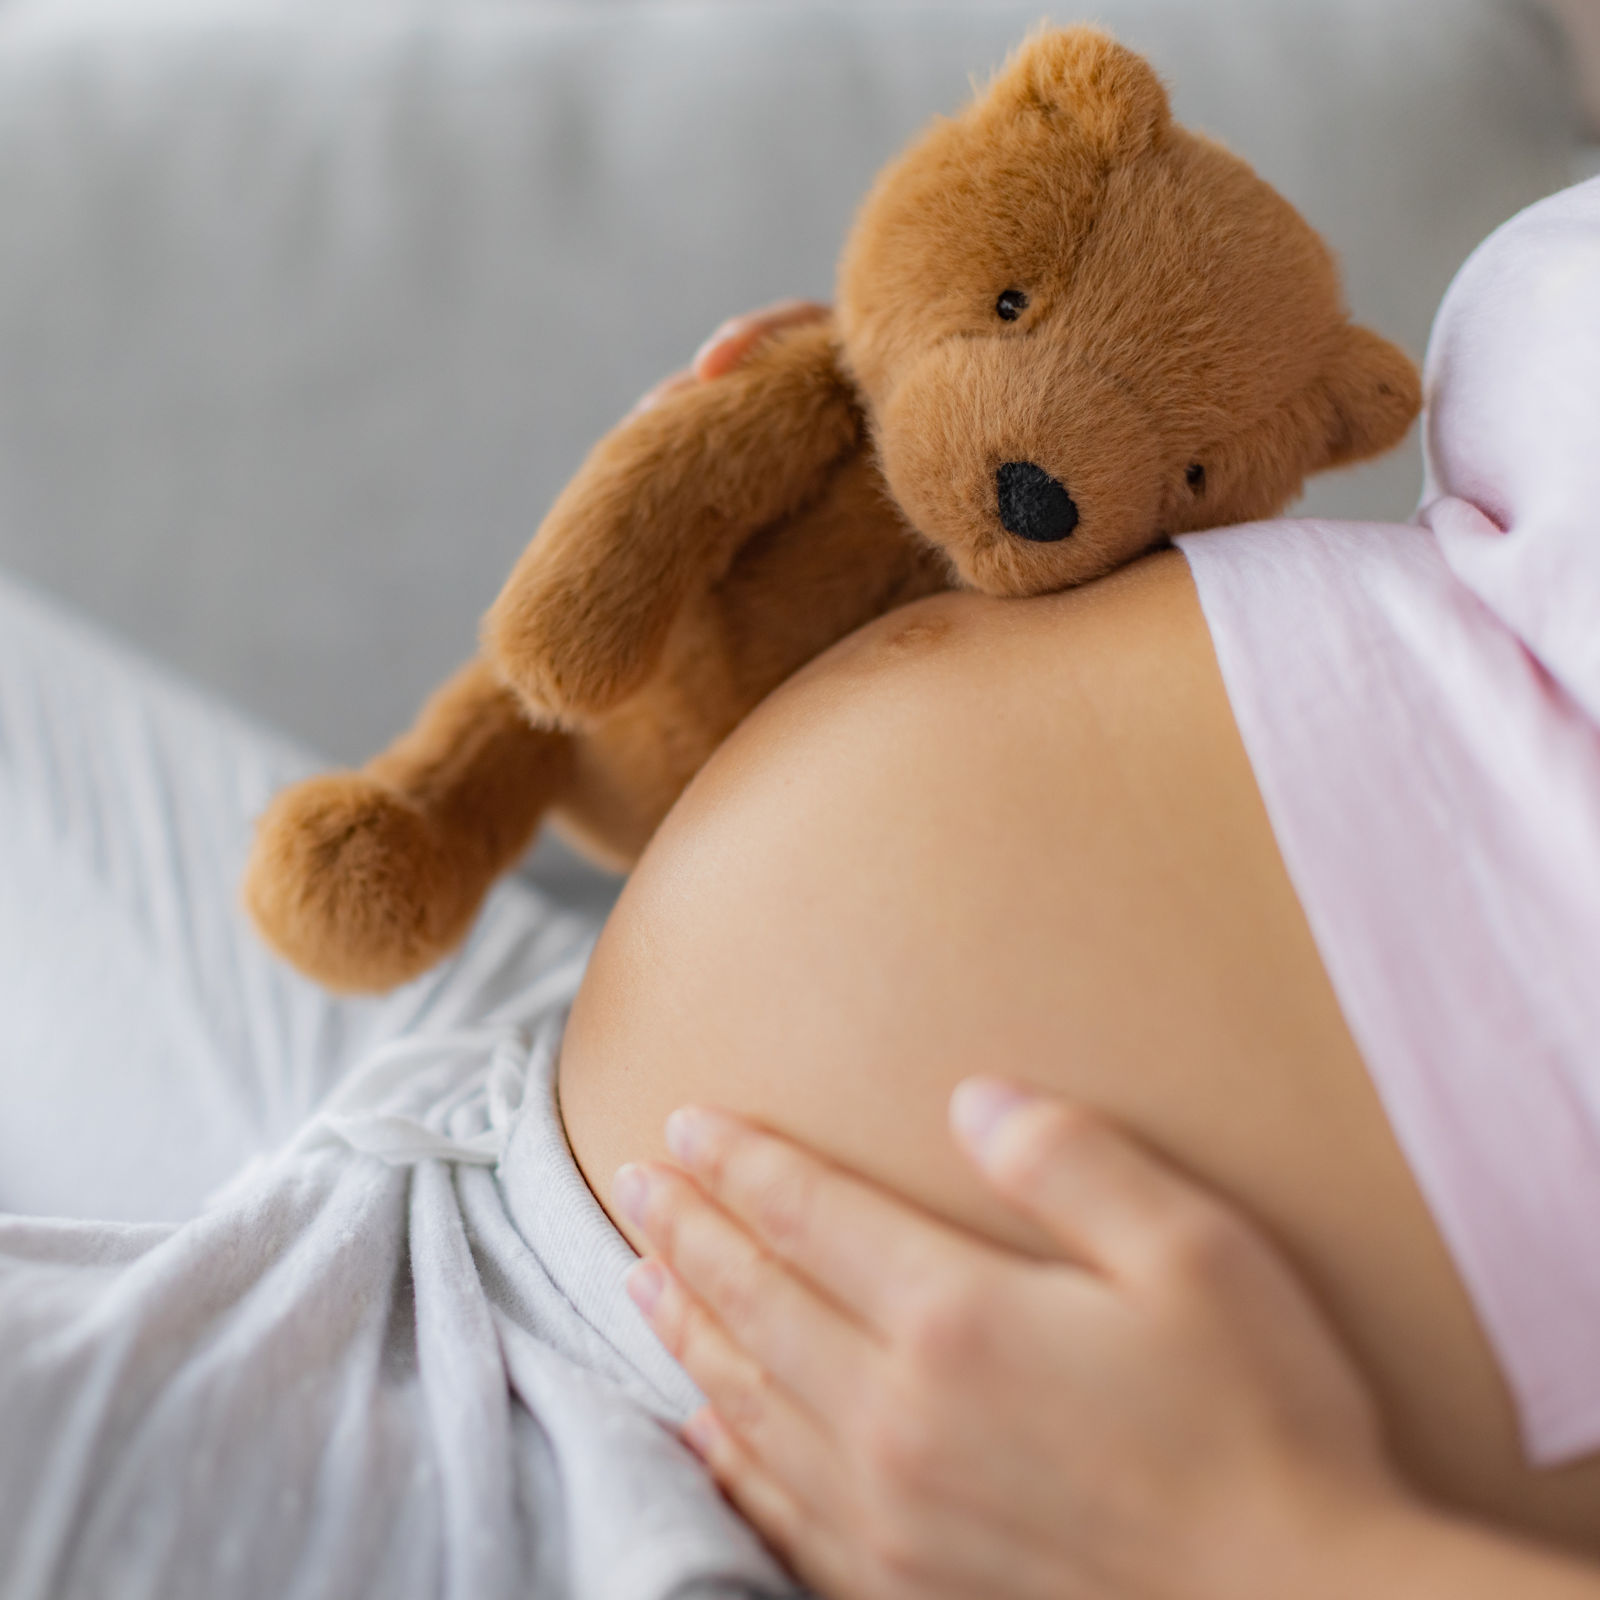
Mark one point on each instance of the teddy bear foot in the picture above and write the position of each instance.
(356, 886)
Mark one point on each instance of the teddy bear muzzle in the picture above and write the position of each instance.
(1034, 505)
(1029, 472)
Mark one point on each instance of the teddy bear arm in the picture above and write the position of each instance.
(661, 507)
(476, 766)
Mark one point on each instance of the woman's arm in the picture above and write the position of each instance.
(1162, 1412)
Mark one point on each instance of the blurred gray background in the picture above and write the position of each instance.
(307, 311)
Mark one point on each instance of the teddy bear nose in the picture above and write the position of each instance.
(1033, 505)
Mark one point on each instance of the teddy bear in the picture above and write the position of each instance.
(1065, 329)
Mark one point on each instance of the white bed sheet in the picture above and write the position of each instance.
(391, 1356)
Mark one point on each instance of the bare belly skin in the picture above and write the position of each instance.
(1024, 837)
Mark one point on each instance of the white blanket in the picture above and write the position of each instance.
(390, 1356)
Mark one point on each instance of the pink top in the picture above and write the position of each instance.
(1421, 704)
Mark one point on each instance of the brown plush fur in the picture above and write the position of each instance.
(1184, 359)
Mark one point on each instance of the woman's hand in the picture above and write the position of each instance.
(731, 343)
(905, 1411)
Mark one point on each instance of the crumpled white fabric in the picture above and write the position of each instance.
(377, 1345)
(449, 1096)
(391, 1359)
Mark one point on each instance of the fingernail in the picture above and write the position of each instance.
(631, 1191)
(700, 1432)
(978, 1106)
(688, 1134)
(717, 336)
(644, 1283)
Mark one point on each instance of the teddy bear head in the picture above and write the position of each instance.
(1079, 328)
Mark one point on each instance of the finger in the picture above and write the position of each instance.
(786, 1439)
(775, 1512)
(828, 1551)
(738, 336)
(1110, 1203)
(729, 345)
(804, 1340)
(810, 1543)
(805, 1540)
(668, 386)
(871, 1253)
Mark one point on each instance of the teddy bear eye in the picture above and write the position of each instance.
(1195, 477)
(1011, 304)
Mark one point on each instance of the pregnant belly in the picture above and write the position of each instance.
(1023, 837)
(979, 836)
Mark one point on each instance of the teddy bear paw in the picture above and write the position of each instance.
(356, 886)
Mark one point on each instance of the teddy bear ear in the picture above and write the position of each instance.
(1083, 73)
(1370, 393)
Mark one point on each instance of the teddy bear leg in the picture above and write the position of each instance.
(364, 880)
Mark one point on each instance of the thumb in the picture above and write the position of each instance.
(1112, 1205)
